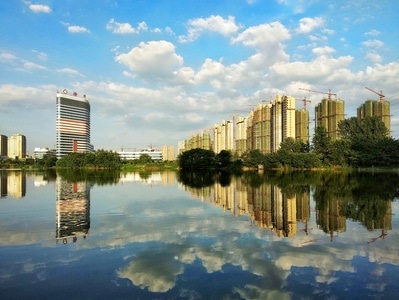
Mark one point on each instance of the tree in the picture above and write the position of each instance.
(197, 159)
(223, 159)
(322, 143)
(144, 158)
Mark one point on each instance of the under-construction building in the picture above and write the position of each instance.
(328, 113)
(302, 125)
(283, 120)
(375, 108)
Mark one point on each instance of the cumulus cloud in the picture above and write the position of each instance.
(39, 8)
(152, 59)
(75, 28)
(263, 36)
(125, 28)
(373, 44)
(216, 24)
(307, 25)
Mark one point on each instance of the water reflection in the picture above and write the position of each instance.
(201, 236)
(13, 184)
(72, 210)
(280, 202)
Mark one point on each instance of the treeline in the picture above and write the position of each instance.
(100, 159)
(362, 144)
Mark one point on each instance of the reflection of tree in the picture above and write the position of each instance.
(278, 200)
(197, 179)
(99, 177)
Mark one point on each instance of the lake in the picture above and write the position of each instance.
(161, 235)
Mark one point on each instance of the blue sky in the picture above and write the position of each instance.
(157, 72)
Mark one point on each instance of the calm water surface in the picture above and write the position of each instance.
(158, 236)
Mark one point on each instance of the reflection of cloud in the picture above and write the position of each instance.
(153, 270)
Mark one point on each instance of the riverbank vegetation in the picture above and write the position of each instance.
(362, 144)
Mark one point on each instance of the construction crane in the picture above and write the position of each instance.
(382, 96)
(304, 102)
(329, 93)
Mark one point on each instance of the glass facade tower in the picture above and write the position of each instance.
(72, 124)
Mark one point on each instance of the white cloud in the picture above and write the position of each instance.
(77, 29)
(307, 25)
(40, 55)
(152, 59)
(217, 24)
(125, 28)
(263, 36)
(373, 32)
(323, 50)
(373, 44)
(374, 57)
(69, 71)
(39, 8)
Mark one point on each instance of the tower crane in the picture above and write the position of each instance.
(304, 102)
(329, 93)
(382, 96)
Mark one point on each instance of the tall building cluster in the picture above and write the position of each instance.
(268, 125)
(264, 128)
(13, 146)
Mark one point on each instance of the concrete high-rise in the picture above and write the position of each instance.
(375, 108)
(72, 124)
(328, 114)
(3, 145)
(283, 120)
(16, 146)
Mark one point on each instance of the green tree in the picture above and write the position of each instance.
(144, 158)
(223, 159)
(322, 144)
(197, 159)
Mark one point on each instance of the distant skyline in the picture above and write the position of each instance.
(156, 72)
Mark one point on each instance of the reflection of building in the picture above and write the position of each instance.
(330, 217)
(16, 184)
(72, 210)
(3, 184)
(165, 178)
(72, 124)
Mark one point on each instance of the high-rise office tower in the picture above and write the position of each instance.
(72, 124)
(16, 146)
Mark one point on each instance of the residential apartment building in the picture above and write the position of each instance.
(302, 125)
(16, 146)
(168, 153)
(376, 108)
(263, 129)
(3, 145)
(72, 124)
(283, 120)
(328, 113)
(223, 135)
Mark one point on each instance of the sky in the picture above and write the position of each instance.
(157, 72)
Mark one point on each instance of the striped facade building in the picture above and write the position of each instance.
(72, 124)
